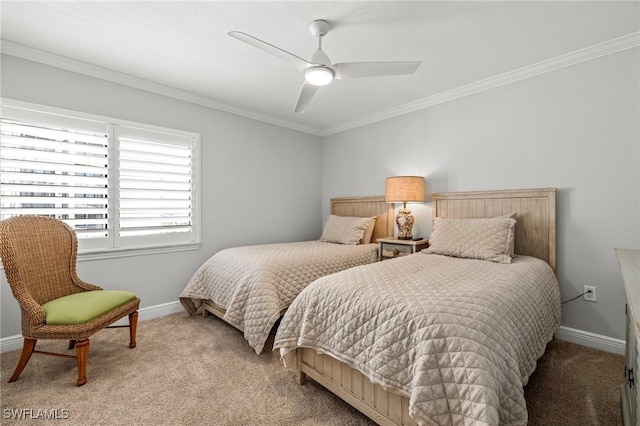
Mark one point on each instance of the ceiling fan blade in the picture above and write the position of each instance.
(374, 69)
(269, 48)
(306, 94)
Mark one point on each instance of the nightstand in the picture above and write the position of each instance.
(629, 261)
(388, 248)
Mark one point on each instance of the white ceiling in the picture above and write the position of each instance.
(183, 48)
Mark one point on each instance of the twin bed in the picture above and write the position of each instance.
(251, 287)
(449, 335)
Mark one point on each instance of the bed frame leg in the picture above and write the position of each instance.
(300, 376)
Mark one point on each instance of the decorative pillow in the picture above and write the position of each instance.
(486, 239)
(344, 229)
(366, 238)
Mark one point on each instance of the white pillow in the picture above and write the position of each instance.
(486, 239)
(345, 229)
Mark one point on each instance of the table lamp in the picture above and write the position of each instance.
(405, 189)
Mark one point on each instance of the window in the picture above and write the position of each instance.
(119, 185)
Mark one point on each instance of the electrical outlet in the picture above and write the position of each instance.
(590, 293)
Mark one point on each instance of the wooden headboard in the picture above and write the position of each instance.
(536, 215)
(367, 207)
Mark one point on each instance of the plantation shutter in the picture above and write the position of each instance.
(122, 186)
(156, 184)
(57, 170)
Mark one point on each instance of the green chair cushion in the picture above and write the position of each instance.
(80, 308)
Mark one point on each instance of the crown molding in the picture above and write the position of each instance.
(599, 50)
(609, 47)
(46, 58)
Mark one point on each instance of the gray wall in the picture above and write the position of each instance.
(576, 129)
(260, 183)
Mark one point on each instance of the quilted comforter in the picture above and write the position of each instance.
(255, 284)
(458, 337)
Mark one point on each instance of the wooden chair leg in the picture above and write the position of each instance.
(27, 350)
(72, 344)
(133, 325)
(82, 354)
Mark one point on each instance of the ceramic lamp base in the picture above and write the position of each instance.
(404, 221)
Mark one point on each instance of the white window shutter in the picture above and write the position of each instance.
(155, 187)
(59, 172)
(122, 186)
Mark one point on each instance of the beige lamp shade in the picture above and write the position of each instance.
(405, 189)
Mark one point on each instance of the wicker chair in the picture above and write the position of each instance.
(39, 258)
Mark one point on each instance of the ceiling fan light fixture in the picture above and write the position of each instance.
(318, 76)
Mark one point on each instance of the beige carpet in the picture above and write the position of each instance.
(195, 371)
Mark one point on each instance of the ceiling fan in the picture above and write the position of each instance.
(319, 71)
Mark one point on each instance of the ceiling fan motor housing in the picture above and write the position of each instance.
(321, 58)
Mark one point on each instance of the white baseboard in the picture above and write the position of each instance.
(12, 343)
(585, 338)
(592, 340)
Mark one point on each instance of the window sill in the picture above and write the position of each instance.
(99, 254)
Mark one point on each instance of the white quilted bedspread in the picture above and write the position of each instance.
(459, 337)
(255, 284)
